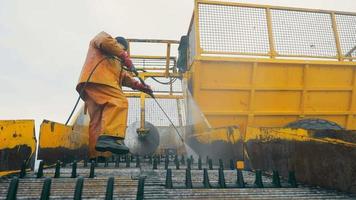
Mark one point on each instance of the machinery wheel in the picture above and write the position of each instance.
(314, 124)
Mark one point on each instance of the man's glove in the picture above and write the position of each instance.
(126, 59)
(143, 88)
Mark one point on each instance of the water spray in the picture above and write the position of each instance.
(159, 105)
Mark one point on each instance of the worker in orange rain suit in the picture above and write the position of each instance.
(100, 85)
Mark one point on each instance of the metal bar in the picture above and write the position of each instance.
(246, 88)
(157, 96)
(277, 113)
(272, 47)
(142, 109)
(235, 53)
(198, 49)
(168, 60)
(337, 37)
(151, 57)
(273, 7)
(153, 41)
(352, 106)
(280, 61)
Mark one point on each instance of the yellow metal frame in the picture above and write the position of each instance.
(167, 72)
(272, 51)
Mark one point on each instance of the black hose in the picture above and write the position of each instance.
(87, 81)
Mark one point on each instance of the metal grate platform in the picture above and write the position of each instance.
(155, 178)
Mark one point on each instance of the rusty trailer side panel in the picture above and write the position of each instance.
(61, 142)
(322, 158)
(17, 144)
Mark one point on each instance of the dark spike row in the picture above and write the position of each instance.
(40, 170)
(92, 169)
(154, 163)
(106, 162)
(57, 172)
(188, 179)
(177, 165)
(232, 165)
(138, 162)
(258, 180)
(78, 189)
(292, 180)
(206, 181)
(199, 163)
(96, 162)
(46, 189)
(182, 160)
(85, 163)
(169, 183)
(210, 163)
(189, 163)
(74, 169)
(276, 180)
(128, 161)
(150, 159)
(176, 158)
(140, 189)
(158, 159)
(240, 179)
(221, 164)
(222, 183)
(166, 162)
(109, 189)
(12, 190)
(117, 163)
(23, 169)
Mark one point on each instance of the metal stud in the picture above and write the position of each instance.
(169, 183)
(188, 179)
(222, 183)
(57, 172)
(140, 188)
(258, 180)
(46, 189)
(109, 189)
(92, 169)
(74, 169)
(12, 190)
(78, 189)
(206, 181)
(40, 170)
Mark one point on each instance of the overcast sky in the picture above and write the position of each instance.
(43, 44)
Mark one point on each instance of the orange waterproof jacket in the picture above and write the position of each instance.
(109, 72)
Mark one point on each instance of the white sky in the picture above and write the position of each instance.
(43, 44)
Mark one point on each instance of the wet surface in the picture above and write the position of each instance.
(12, 159)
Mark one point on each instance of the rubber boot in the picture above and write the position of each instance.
(111, 143)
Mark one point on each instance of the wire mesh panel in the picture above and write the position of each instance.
(191, 47)
(225, 28)
(346, 25)
(155, 115)
(299, 33)
(134, 110)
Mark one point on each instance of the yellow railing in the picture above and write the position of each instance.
(248, 30)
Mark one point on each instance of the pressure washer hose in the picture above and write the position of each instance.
(141, 80)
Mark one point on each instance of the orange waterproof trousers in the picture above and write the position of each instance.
(107, 108)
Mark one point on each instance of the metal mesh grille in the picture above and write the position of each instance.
(346, 25)
(153, 113)
(150, 63)
(233, 29)
(303, 33)
(191, 47)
